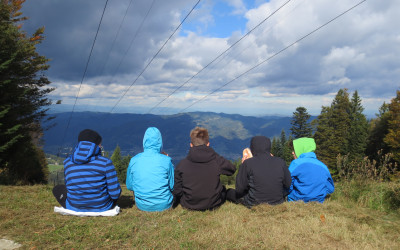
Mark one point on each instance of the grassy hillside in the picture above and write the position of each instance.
(27, 217)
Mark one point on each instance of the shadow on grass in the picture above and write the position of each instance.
(126, 201)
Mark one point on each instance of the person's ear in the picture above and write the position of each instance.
(208, 144)
(191, 145)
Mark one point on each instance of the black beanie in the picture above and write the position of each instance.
(89, 135)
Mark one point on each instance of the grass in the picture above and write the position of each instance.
(27, 217)
(383, 196)
(53, 167)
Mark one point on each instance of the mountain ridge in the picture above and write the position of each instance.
(229, 133)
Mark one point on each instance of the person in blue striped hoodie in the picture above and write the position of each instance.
(91, 182)
(150, 175)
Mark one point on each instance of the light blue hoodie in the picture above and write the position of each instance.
(150, 175)
(311, 179)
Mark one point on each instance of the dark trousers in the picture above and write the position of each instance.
(232, 196)
(60, 192)
(176, 201)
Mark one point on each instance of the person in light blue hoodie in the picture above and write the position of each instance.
(150, 175)
(311, 179)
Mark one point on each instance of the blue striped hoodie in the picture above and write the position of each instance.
(91, 179)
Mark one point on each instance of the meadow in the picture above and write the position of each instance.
(27, 217)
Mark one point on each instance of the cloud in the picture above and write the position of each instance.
(357, 51)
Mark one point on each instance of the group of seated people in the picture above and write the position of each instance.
(91, 182)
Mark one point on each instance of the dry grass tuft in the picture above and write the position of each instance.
(27, 217)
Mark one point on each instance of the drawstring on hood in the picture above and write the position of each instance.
(260, 145)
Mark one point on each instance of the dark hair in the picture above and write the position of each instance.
(89, 135)
(199, 136)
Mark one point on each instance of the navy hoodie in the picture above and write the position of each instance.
(262, 178)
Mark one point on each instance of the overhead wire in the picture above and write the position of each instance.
(131, 43)
(274, 55)
(116, 36)
(83, 76)
(145, 68)
(237, 54)
(258, 25)
(111, 48)
(134, 37)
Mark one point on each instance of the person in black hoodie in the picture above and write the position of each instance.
(197, 177)
(262, 178)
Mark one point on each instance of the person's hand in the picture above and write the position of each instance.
(245, 157)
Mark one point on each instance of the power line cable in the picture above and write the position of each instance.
(84, 74)
(258, 25)
(144, 69)
(134, 37)
(277, 53)
(113, 43)
(239, 53)
(130, 45)
(111, 48)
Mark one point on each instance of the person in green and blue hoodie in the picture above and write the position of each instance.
(311, 179)
(150, 175)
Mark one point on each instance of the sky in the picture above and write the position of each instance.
(247, 57)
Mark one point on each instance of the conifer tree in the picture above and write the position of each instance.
(23, 102)
(117, 161)
(124, 167)
(332, 129)
(280, 147)
(392, 138)
(275, 147)
(358, 131)
(300, 125)
(378, 130)
(285, 150)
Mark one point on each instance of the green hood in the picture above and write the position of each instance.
(304, 145)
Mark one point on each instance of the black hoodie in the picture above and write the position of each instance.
(262, 178)
(197, 178)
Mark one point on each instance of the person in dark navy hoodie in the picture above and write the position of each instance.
(91, 182)
(262, 178)
(197, 177)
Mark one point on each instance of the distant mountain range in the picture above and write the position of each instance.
(229, 134)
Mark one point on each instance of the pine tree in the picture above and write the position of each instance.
(392, 138)
(300, 125)
(358, 131)
(275, 147)
(124, 167)
(23, 102)
(117, 161)
(332, 130)
(378, 130)
(284, 146)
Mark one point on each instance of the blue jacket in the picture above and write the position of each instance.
(150, 175)
(311, 180)
(91, 180)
